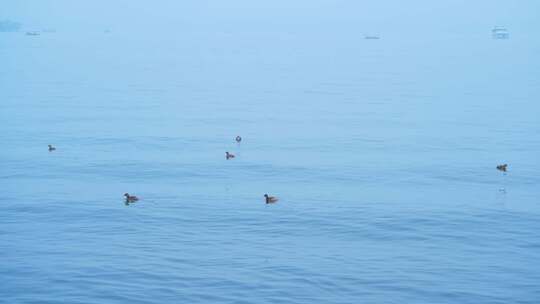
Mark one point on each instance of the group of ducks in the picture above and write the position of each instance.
(269, 199)
(132, 198)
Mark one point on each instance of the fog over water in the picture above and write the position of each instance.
(382, 152)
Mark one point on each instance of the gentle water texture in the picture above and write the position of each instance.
(383, 153)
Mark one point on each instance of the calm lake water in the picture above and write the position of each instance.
(382, 153)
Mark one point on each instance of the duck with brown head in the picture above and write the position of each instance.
(130, 198)
(502, 167)
(270, 199)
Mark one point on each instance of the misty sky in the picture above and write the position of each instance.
(382, 16)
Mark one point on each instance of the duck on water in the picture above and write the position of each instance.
(502, 167)
(130, 198)
(270, 199)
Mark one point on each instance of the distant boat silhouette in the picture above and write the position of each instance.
(500, 33)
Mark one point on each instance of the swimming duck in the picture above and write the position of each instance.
(130, 198)
(229, 155)
(502, 167)
(238, 139)
(270, 199)
(51, 148)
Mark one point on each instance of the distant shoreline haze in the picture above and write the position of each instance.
(9, 26)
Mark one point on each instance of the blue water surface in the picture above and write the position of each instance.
(382, 153)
